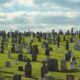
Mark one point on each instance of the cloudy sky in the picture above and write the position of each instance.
(39, 14)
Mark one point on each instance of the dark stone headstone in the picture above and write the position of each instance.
(63, 65)
(70, 77)
(20, 57)
(20, 68)
(17, 77)
(28, 69)
(52, 64)
(44, 69)
(67, 45)
(13, 48)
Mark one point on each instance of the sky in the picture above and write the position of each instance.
(39, 15)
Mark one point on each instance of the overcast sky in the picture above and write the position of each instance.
(39, 14)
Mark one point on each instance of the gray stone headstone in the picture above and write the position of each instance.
(70, 77)
(7, 64)
(63, 65)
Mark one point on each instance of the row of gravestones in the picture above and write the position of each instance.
(52, 65)
(46, 77)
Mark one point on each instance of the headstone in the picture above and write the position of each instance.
(20, 68)
(16, 62)
(44, 69)
(7, 65)
(73, 66)
(13, 48)
(17, 77)
(63, 65)
(28, 69)
(68, 56)
(25, 58)
(20, 57)
(34, 54)
(49, 77)
(52, 64)
(67, 45)
(77, 46)
(70, 77)
(9, 54)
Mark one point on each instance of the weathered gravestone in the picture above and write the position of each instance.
(34, 54)
(17, 77)
(63, 65)
(28, 69)
(70, 77)
(20, 57)
(67, 45)
(48, 77)
(20, 68)
(68, 56)
(9, 54)
(29, 49)
(7, 64)
(13, 48)
(52, 64)
(73, 66)
(77, 46)
(44, 69)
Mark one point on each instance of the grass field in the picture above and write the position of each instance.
(36, 66)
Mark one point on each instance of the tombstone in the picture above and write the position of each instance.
(70, 77)
(49, 41)
(34, 54)
(67, 45)
(71, 40)
(52, 64)
(68, 56)
(9, 54)
(20, 68)
(28, 69)
(20, 57)
(8, 64)
(73, 66)
(48, 77)
(25, 58)
(44, 69)
(77, 46)
(17, 77)
(63, 65)
(29, 49)
(16, 62)
(13, 48)
(20, 49)
(47, 53)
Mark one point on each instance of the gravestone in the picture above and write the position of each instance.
(63, 65)
(17, 77)
(20, 57)
(52, 64)
(49, 77)
(73, 66)
(8, 64)
(13, 48)
(68, 56)
(28, 69)
(77, 45)
(15, 61)
(25, 58)
(44, 69)
(20, 68)
(9, 54)
(70, 77)
(67, 45)
(34, 54)
(29, 50)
